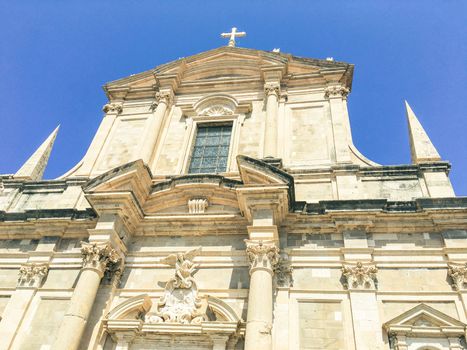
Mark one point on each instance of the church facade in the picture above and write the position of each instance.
(223, 205)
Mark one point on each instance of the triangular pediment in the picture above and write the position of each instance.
(227, 63)
(423, 319)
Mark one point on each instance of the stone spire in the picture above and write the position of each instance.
(34, 167)
(421, 147)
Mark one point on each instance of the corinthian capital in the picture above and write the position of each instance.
(99, 256)
(272, 89)
(360, 276)
(113, 108)
(336, 91)
(165, 96)
(262, 254)
(458, 274)
(32, 274)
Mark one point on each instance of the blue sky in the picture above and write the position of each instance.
(54, 58)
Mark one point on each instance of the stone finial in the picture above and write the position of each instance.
(33, 169)
(99, 256)
(197, 205)
(115, 108)
(458, 274)
(359, 276)
(421, 147)
(32, 274)
(336, 91)
(272, 89)
(262, 254)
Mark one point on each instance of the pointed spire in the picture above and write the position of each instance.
(34, 167)
(421, 147)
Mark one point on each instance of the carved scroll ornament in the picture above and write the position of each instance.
(272, 89)
(262, 254)
(458, 274)
(32, 274)
(113, 108)
(100, 256)
(360, 276)
(336, 91)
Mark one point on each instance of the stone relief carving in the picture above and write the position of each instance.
(336, 91)
(113, 107)
(283, 272)
(272, 88)
(100, 256)
(217, 111)
(360, 276)
(262, 254)
(458, 274)
(32, 274)
(180, 302)
(197, 205)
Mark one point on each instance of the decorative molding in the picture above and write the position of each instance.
(100, 256)
(217, 111)
(359, 276)
(272, 88)
(32, 274)
(116, 108)
(180, 302)
(262, 255)
(458, 274)
(2, 186)
(283, 272)
(336, 91)
(197, 205)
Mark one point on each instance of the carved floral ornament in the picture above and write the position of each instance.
(113, 108)
(262, 254)
(458, 274)
(100, 256)
(32, 274)
(180, 302)
(272, 89)
(336, 91)
(162, 97)
(359, 276)
(283, 272)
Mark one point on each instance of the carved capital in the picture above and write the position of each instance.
(162, 97)
(32, 275)
(99, 256)
(283, 272)
(272, 88)
(116, 108)
(262, 255)
(458, 274)
(360, 276)
(336, 91)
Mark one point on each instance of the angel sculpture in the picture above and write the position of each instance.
(184, 267)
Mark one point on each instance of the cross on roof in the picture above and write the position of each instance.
(232, 35)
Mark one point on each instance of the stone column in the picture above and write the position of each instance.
(360, 281)
(340, 123)
(97, 258)
(263, 257)
(162, 101)
(112, 110)
(31, 276)
(271, 90)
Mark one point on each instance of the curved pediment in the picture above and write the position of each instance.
(193, 194)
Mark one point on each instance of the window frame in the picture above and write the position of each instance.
(192, 124)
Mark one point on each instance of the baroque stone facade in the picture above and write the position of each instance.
(223, 205)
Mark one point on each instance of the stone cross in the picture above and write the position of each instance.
(232, 35)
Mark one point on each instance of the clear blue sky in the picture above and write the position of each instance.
(56, 55)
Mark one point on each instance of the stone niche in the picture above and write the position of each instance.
(179, 319)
